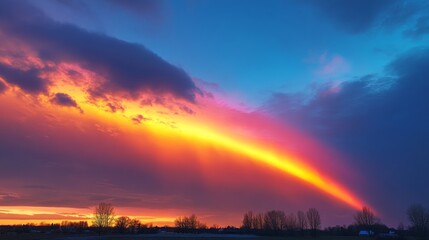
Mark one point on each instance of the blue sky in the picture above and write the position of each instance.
(253, 49)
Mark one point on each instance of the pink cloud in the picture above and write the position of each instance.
(332, 65)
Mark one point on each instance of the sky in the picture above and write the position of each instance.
(168, 108)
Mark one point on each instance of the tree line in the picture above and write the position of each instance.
(275, 222)
(104, 219)
(278, 221)
(264, 223)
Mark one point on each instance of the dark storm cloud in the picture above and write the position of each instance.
(27, 80)
(358, 16)
(128, 67)
(380, 123)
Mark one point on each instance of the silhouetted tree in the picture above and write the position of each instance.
(400, 227)
(291, 223)
(365, 219)
(122, 224)
(258, 221)
(274, 220)
(248, 220)
(190, 223)
(215, 227)
(379, 228)
(104, 216)
(180, 222)
(79, 226)
(301, 221)
(338, 231)
(313, 219)
(419, 218)
(201, 225)
(253, 221)
(135, 225)
(193, 222)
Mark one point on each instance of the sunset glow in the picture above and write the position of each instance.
(165, 109)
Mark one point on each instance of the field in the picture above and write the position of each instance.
(38, 236)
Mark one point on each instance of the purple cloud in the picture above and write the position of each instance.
(380, 123)
(27, 80)
(127, 67)
(357, 16)
(3, 87)
(66, 100)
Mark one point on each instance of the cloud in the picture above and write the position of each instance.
(141, 7)
(332, 65)
(353, 16)
(380, 123)
(38, 217)
(187, 109)
(357, 16)
(138, 119)
(74, 4)
(115, 106)
(126, 67)
(63, 99)
(27, 80)
(420, 28)
(3, 87)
